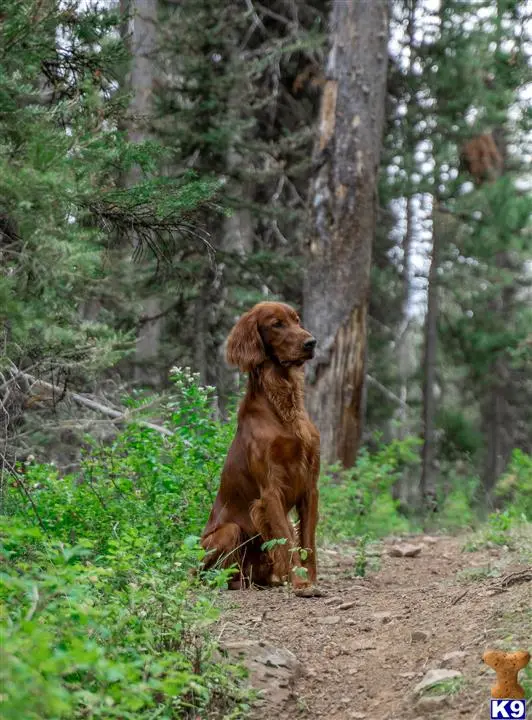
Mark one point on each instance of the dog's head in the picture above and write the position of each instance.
(269, 331)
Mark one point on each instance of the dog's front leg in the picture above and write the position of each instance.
(271, 522)
(307, 509)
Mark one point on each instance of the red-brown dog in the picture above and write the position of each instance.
(273, 463)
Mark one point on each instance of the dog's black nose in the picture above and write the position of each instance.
(310, 344)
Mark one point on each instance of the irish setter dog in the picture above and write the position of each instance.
(273, 463)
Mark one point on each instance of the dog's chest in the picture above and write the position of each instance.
(296, 450)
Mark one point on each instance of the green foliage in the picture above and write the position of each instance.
(63, 157)
(101, 617)
(459, 435)
(515, 486)
(272, 544)
(507, 528)
(120, 635)
(499, 525)
(361, 562)
(446, 687)
(457, 498)
(359, 501)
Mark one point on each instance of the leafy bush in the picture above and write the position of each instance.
(515, 486)
(359, 501)
(100, 615)
(457, 494)
(120, 636)
(459, 436)
(162, 488)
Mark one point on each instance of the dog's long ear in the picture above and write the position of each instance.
(245, 348)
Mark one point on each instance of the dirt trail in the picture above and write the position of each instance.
(359, 652)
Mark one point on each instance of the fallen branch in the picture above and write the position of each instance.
(517, 577)
(389, 394)
(116, 415)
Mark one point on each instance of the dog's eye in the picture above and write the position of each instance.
(278, 324)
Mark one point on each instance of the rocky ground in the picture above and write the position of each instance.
(405, 641)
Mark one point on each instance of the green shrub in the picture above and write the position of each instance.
(459, 435)
(456, 498)
(120, 636)
(359, 501)
(162, 487)
(100, 615)
(515, 486)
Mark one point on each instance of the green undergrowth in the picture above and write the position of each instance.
(118, 635)
(102, 612)
(509, 530)
(359, 501)
(101, 615)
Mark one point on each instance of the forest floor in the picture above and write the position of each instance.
(360, 651)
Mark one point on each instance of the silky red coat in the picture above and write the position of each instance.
(273, 463)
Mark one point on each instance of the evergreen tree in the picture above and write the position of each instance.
(62, 153)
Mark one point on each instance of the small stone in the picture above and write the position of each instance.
(350, 621)
(454, 659)
(309, 591)
(332, 600)
(408, 675)
(419, 636)
(277, 657)
(432, 702)
(430, 539)
(359, 645)
(405, 550)
(328, 620)
(357, 715)
(347, 605)
(433, 677)
(384, 617)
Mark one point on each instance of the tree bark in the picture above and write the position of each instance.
(403, 349)
(498, 418)
(427, 485)
(140, 34)
(343, 207)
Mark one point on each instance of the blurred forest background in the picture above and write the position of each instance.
(166, 164)
(158, 162)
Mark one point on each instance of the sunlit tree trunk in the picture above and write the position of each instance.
(427, 485)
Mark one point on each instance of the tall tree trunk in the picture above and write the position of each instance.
(140, 34)
(498, 417)
(403, 350)
(235, 238)
(343, 204)
(427, 484)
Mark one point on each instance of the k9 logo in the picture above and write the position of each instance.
(504, 709)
